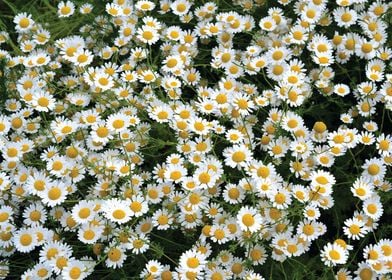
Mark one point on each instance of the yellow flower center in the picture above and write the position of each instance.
(26, 239)
(192, 262)
(114, 254)
(84, 213)
(89, 234)
(238, 156)
(248, 220)
(119, 214)
(75, 273)
(54, 193)
(65, 10)
(346, 17)
(136, 206)
(373, 169)
(334, 254)
(355, 229)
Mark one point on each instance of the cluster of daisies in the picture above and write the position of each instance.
(247, 176)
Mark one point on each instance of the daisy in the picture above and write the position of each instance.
(199, 125)
(145, 226)
(251, 275)
(37, 182)
(41, 271)
(154, 193)
(192, 260)
(144, 5)
(366, 107)
(180, 7)
(372, 254)
(89, 234)
(372, 207)
(79, 99)
(115, 256)
(243, 104)
(139, 244)
(291, 122)
(153, 268)
(311, 13)
(83, 212)
(117, 210)
(148, 76)
(82, 57)
(341, 89)
(24, 240)
(292, 79)
(345, 17)
(311, 212)
(366, 138)
(249, 219)
(324, 158)
(267, 23)
(64, 127)
(367, 49)
(117, 122)
(298, 34)
(310, 230)
(23, 22)
(322, 179)
(162, 219)
(55, 193)
(365, 271)
(370, 126)
(300, 192)
(220, 234)
(234, 136)
(278, 55)
(384, 144)
(194, 200)
(237, 156)
(224, 57)
(374, 76)
(173, 33)
(39, 59)
(52, 249)
(86, 8)
(175, 173)
(280, 198)
(333, 254)
(278, 148)
(172, 64)
(43, 101)
(346, 118)
(354, 228)
(362, 188)
(74, 270)
(4, 125)
(6, 213)
(34, 214)
(257, 254)
(58, 165)
(373, 169)
(137, 205)
(386, 249)
(114, 10)
(103, 81)
(147, 35)
(100, 132)
(233, 194)
(12, 151)
(65, 9)
(323, 58)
